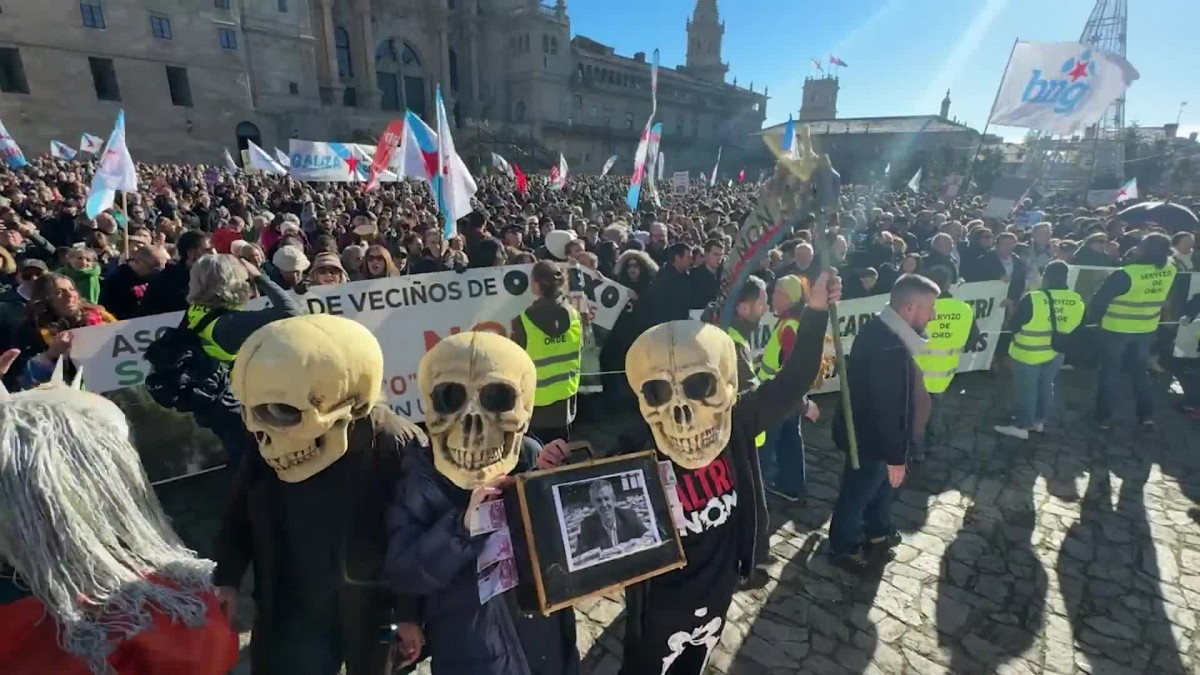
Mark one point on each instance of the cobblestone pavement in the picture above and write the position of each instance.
(1078, 552)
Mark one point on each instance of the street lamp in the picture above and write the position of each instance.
(1180, 115)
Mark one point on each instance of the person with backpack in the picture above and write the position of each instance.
(190, 364)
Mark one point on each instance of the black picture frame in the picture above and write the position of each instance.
(544, 516)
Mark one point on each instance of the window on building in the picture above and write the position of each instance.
(93, 15)
(160, 27)
(341, 41)
(12, 72)
(227, 37)
(608, 120)
(553, 45)
(519, 111)
(453, 70)
(282, 5)
(294, 88)
(350, 97)
(595, 111)
(628, 120)
(545, 43)
(104, 79)
(579, 101)
(181, 88)
(222, 4)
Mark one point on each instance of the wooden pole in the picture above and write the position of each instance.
(125, 210)
(987, 125)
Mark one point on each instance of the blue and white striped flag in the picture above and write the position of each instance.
(116, 172)
(60, 150)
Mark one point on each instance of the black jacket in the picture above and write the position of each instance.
(252, 532)
(668, 298)
(881, 374)
(122, 291)
(593, 535)
(169, 291)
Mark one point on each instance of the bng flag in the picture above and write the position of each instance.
(116, 172)
(1060, 87)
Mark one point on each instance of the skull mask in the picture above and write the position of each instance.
(478, 390)
(301, 382)
(685, 374)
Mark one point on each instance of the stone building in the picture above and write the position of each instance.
(862, 148)
(204, 75)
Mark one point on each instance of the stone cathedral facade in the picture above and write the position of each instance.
(197, 76)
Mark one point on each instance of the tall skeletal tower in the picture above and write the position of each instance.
(1105, 29)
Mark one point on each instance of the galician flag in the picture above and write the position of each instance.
(641, 171)
(90, 143)
(260, 160)
(712, 180)
(835, 61)
(558, 174)
(454, 187)
(60, 150)
(1128, 191)
(230, 165)
(1060, 87)
(9, 150)
(790, 144)
(608, 165)
(501, 164)
(914, 183)
(116, 172)
(282, 158)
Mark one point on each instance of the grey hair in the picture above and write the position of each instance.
(218, 280)
(84, 529)
(598, 485)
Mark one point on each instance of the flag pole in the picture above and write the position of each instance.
(991, 111)
(125, 210)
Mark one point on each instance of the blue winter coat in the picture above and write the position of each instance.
(430, 554)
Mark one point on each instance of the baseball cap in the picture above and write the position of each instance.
(290, 259)
(26, 263)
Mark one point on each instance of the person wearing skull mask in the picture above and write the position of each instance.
(307, 508)
(685, 374)
(478, 390)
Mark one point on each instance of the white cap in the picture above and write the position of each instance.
(290, 259)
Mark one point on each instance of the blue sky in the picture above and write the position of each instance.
(903, 55)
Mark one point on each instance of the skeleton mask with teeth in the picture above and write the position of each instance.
(685, 375)
(478, 390)
(301, 382)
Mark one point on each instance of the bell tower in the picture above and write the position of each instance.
(705, 31)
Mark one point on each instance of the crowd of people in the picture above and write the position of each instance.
(204, 242)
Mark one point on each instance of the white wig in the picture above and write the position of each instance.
(82, 526)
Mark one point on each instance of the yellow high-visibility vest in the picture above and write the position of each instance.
(1137, 310)
(196, 314)
(772, 356)
(761, 439)
(1032, 344)
(948, 333)
(557, 359)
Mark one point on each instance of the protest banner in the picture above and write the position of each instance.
(986, 297)
(680, 181)
(408, 315)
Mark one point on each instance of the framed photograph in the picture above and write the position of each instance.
(590, 528)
